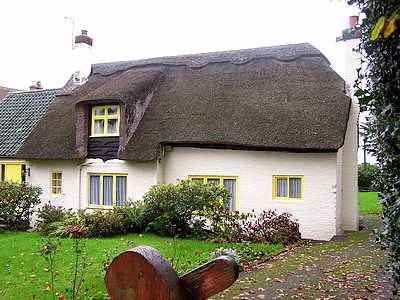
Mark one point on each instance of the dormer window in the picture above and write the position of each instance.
(105, 120)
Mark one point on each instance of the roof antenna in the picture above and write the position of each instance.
(72, 20)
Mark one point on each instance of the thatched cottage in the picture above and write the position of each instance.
(273, 125)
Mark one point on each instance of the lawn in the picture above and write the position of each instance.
(23, 273)
(369, 203)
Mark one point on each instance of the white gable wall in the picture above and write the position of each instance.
(350, 172)
(316, 213)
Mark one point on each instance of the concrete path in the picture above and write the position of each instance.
(350, 267)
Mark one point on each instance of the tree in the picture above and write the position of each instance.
(379, 92)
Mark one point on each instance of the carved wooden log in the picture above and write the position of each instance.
(142, 273)
(212, 277)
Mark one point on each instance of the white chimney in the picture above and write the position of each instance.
(82, 46)
(351, 38)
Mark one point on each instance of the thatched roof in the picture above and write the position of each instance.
(275, 98)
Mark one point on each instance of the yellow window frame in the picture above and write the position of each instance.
(56, 183)
(105, 119)
(287, 177)
(221, 183)
(12, 172)
(114, 176)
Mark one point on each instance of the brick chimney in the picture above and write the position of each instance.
(36, 85)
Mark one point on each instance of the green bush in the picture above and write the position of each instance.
(379, 92)
(367, 175)
(133, 215)
(171, 209)
(230, 226)
(102, 224)
(48, 215)
(17, 203)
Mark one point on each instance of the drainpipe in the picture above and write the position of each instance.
(80, 184)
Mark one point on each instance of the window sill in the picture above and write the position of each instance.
(104, 136)
(100, 207)
(288, 199)
(57, 195)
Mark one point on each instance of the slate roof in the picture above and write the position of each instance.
(19, 114)
(282, 98)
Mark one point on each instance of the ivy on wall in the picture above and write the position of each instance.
(379, 92)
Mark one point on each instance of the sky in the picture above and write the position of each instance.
(36, 35)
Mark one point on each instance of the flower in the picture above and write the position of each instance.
(76, 231)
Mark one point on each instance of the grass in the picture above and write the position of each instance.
(23, 273)
(369, 203)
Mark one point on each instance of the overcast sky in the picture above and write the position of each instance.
(36, 37)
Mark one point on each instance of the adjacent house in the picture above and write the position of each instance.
(273, 125)
(4, 91)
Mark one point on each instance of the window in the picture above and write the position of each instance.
(288, 187)
(105, 120)
(107, 190)
(56, 183)
(3, 172)
(229, 182)
(12, 172)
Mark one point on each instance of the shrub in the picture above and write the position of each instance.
(48, 215)
(17, 203)
(102, 224)
(367, 175)
(230, 226)
(269, 227)
(170, 209)
(133, 215)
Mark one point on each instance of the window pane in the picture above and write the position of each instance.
(281, 187)
(230, 185)
(108, 190)
(112, 126)
(98, 127)
(99, 111)
(113, 110)
(56, 182)
(295, 187)
(198, 180)
(121, 190)
(94, 190)
(3, 172)
(213, 181)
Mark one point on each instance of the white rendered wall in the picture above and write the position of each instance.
(316, 213)
(40, 172)
(141, 176)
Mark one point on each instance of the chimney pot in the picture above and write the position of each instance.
(36, 85)
(353, 21)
